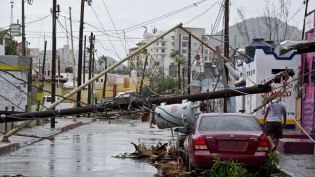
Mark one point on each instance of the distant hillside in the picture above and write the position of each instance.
(257, 29)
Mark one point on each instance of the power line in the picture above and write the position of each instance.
(12, 102)
(202, 13)
(106, 35)
(111, 19)
(131, 28)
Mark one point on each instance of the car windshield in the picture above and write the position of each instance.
(228, 123)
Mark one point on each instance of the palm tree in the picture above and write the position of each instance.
(145, 53)
(102, 60)
(10, 43)
(179, 59)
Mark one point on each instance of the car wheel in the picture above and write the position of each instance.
(190, 167)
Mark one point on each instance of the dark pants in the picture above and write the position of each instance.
(274, 129)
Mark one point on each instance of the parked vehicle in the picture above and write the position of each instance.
(234, 136)
(47, 101)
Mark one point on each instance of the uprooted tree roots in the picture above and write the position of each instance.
(163, 157)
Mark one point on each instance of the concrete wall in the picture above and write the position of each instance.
(13, 82)
(308, 95)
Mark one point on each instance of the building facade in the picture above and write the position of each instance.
(264, 67)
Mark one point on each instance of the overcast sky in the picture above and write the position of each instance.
(110, 15)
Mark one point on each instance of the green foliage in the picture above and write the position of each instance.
(122, 155)
(123, 71)
(228, 168)
(10, 43)
(231, 168)
(161, 85)
(270, 166)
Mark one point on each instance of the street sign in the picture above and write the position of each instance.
(15, 29)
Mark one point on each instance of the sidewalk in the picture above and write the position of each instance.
(297, 165)
(62, 124)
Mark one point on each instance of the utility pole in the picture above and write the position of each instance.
(105, 80)
(189, 64)
(90, 67)
(54, 52)
(29, 85)
(226, 44)
(93, 68)
(143, 71)
(303, 30)
(84, 53)
(23, 30)
(80, 50)
(72, 51)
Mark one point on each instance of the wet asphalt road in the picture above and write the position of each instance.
(86, 151)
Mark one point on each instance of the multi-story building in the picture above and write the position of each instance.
(159, 52)
(199, 53)
(63, 54)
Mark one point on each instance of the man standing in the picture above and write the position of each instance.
(203, 106)
(275, 110)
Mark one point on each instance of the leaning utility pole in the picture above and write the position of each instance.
(72, 51)
(53, 65)
(24, 124)
(105, 80)
(226, 44)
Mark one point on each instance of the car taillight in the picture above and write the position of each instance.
(263, 144)
(200, 143)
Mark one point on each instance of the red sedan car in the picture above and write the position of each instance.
(234, 136)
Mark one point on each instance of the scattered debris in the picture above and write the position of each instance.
(162, 156)
(18, 175)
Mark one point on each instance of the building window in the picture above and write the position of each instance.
(184, 44)
(96, 80)
(185, 38)
(184, 51)
(163, 50)
(101, 80)
(163, 43)
(253, 71)
(1, 41)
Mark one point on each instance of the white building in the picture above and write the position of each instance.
(13, 82)
(2, 46)
(263, 68)
(159, 52)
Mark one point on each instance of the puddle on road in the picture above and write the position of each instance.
(85, 151)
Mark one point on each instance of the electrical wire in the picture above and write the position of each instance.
(140, 25)
(104, 30)
(12, 103)
(202, 13)
(111, 19)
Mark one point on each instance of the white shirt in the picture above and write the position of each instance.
(275, 111)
